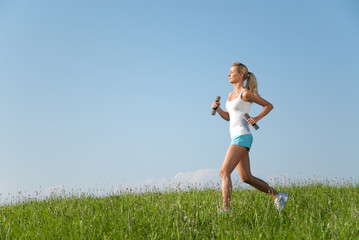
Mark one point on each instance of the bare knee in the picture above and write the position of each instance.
(224, 173)
(247, 178)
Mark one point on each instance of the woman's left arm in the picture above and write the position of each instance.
(249, 96)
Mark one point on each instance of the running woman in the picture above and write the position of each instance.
(239, 101)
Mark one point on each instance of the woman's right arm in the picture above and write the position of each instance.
(223, 114)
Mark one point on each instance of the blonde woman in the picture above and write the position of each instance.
(239, 101)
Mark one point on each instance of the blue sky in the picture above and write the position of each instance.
(101, 94)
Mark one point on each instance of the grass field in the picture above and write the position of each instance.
(314, 211)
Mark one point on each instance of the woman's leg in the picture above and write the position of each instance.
(231, 160)
(246, 175)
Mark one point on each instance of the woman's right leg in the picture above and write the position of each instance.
(231, 160)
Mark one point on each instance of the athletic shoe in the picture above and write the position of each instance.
(224, 211)
(281, 200)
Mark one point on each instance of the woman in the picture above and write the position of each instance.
(238, 103)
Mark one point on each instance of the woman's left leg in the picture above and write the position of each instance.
(247, 177)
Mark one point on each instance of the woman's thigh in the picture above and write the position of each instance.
(244, 168)
(233, 156)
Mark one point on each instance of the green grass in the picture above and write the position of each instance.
(314, 211)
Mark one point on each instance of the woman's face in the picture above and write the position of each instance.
(234, 75)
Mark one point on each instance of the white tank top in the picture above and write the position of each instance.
(238, 124)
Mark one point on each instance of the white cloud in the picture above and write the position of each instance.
(202, 176)
(181, 180)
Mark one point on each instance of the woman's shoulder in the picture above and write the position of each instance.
(247, 95)
(245, 90)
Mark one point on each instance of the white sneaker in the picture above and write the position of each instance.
(224, 211)
(281, 200)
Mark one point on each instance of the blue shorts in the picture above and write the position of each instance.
(244, 140)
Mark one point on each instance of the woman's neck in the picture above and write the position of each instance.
(238, 87)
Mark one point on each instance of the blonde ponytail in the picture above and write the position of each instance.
(251, 83)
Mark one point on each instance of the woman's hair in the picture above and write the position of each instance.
(251, 83)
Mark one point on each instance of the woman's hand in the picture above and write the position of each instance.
(252, 121)
(223, 114)
(216, 105)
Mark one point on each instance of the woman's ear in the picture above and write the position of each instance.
(242, 75)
